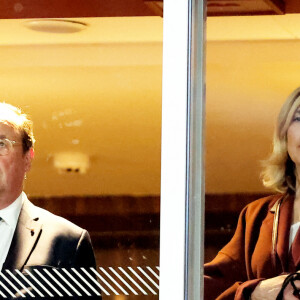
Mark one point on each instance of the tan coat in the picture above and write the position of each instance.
(252, 254)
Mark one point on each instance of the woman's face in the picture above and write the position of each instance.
(293, 139)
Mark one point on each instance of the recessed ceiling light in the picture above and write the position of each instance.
(55, 25)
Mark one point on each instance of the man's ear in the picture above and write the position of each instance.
(29, 155)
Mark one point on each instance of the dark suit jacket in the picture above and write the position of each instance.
(44, 240)
(248, 258)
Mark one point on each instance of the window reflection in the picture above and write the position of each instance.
(96, 93)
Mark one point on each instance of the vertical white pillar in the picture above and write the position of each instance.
(182, 164)
(174, 135)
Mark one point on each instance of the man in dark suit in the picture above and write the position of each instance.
(42, 238)
(32, 238)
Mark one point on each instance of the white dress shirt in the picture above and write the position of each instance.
(9, 218)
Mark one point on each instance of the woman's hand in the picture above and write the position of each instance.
(268, 289)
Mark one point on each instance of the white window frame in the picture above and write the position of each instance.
(182, 175)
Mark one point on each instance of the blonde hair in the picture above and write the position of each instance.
(279, 169)
(14, 117)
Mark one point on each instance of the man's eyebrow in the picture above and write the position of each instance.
(2, 136)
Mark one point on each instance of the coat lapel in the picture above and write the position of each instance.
(26, 236)
(285, 220)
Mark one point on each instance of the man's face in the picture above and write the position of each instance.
(13, 167)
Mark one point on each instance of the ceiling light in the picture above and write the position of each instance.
(55, 25)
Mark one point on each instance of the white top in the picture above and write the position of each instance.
(9, 218)
(293, 232)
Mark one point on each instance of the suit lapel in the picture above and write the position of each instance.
(25, 237)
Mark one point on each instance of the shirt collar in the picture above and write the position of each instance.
(10, 214)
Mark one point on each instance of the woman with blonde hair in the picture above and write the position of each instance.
(261, 260)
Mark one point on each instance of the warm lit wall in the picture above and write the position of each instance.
(97, 91)
(252, 65)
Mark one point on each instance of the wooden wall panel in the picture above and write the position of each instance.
(221, 215)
